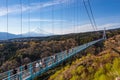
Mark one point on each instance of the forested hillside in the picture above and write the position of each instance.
(91, 67)
(103, 66)
(16, 52)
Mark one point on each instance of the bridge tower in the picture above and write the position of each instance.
(104, 34)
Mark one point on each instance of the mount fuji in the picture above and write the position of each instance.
(37, 32)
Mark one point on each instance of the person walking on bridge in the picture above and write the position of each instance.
(40, 64)
(36, 66)
(15, 74)
(43, 63)
(55, 58)
(25, 68)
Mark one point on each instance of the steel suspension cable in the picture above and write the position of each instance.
(77, 16)
(61, 19)
(7, 17)
(77, 13)
(53, 27)
(67, 12)
(21, 17)
(84, 3)
(61, 29)
(29, 17)
(40, 17)
(92, 14)
(74, 18)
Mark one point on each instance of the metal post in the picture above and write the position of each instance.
(9, 74)
(46, 63)
(21, 73)
(30, 70)
(104, 34)
(65, 54)
(61, 56)
(52, 59)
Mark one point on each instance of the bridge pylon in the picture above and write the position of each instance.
(104, 34)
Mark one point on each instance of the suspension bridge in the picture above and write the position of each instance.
(36, 68)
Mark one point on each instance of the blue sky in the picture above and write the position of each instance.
(68, 15)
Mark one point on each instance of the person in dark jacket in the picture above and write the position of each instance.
(15, 73)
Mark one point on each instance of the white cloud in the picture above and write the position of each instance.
(110, 25)
(43, 20)
(12, 9)
(33, 6)
(81, 28)
(88, 27)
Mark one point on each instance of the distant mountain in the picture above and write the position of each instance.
(37, 32)
(5, 35)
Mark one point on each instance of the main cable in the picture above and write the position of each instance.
(92, 14)
(88, 14)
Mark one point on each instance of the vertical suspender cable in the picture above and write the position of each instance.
(77, 15)
(53, 26)
(74, 18)
(40, 27)
(88, 14)
(61, 23)
(77, 20)
(29, 17)
(61, 19)
(29, 23)
(21, 17)
(21, 37)
(7, 17)
(9, 73)
(53, 19)
(67, 14)
(30, 66)
(40, 17)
